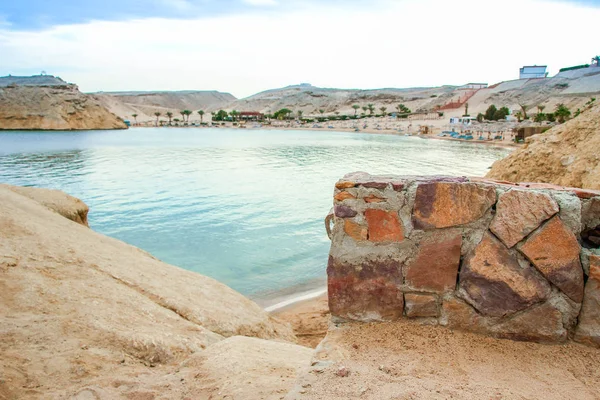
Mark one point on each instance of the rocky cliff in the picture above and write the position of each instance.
(53, 107)
(85, 315)
(565, 155)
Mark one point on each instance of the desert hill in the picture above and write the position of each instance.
(568, 155)
(145, 104)
(49, 103)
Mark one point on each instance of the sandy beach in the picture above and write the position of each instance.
(309, 319)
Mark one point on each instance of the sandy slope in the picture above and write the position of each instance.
(568, 155)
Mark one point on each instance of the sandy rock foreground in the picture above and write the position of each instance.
(84, 316)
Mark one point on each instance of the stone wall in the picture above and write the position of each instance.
(518, 261)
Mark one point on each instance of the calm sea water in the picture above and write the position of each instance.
(245, 207)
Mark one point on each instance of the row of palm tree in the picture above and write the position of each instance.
(185, 114)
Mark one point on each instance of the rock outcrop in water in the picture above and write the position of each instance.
(82, 314)
(567, 155)
(52, 106)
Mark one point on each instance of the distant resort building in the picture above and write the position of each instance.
(473, 86)
(252, 116)
(533, 72)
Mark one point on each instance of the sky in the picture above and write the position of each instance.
(246, 46)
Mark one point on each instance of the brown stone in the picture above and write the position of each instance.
(345, 185)
(341, 196)
(375, 184)
(341, 211)
(457, 314)
(420, 305)
(373, 199)
(366, 292)
(520, 212)
(588, 330)
(446, 204)
(542, 323)
(436, 264)
(398, 186)
(384, 226)
(554, 250)
(495, 283)
(354, 230)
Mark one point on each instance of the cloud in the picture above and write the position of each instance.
(392, 44)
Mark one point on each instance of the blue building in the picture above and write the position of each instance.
(533, 71)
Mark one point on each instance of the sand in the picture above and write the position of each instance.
(309, 320)
(405, 360)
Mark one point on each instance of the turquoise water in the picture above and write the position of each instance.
(245, 207)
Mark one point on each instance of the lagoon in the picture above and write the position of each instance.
(245, 207)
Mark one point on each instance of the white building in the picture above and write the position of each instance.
(473, 86)
(533, 71)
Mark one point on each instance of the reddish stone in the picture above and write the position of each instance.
(344, 211)
(554, 250)
(586, 193)
(520, 212)
(341, 196)
(354, 230)
(495, 283)
(457, 314)
(588, 330)
(375, 185)
(369, 291)
(398, 186)
(444, 204)
(384, 226)
(420, 305)
(436, 264)
(345, 185)
(540, 324)
(373, 199)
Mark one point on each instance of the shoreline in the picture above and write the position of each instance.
(503, 144)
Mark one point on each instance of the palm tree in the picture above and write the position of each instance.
(466, 109)
(300, 112)
(364, 108)
(371, 108)
(337, 113)
(322, 112)
(169, 115)
(383, 110)
(135, 117)
(183, 114)
(562, 113)
(524, 107)
(540, 108)
(157, 115)
(356, 107)
(519, 116)
(201, 114)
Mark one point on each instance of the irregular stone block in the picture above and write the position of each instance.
(384, 226)
(519, 213)
(436, 265)
(457, 314)
(588, 330)
(354, 230)
(542, 323)
(420, 305)
(370, 291)
(345, 185)
(375, 185)
(446, 204)
(373, 199)
(495, 283)
(344, 211)
(341, 196)
(554, 251)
